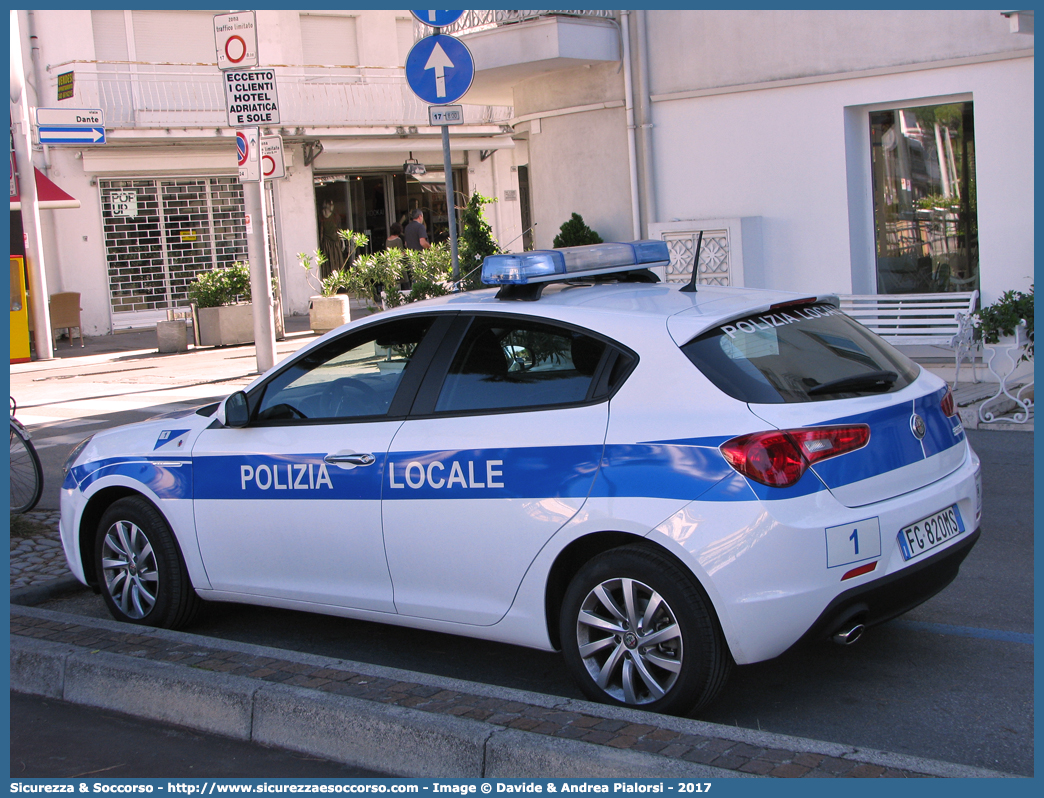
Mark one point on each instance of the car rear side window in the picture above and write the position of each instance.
(507, 363)
(803, 353)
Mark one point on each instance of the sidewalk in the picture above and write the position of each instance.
(363, 715)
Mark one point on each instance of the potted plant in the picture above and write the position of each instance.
(998, 321)
(222, 299)
(332, 305)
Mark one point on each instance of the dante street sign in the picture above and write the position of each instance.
(250, 97)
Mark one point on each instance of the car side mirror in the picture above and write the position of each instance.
(236, 410)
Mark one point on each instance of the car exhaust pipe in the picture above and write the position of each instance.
(847, 637)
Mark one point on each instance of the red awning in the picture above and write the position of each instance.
(48, 194)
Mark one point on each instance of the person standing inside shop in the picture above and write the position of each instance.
(416, 234)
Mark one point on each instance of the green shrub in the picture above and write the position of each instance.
(430, 271)
(337, 280)
(224, 286)
(575, 233)
(476, 241)
(379, 277)
(1003, 316)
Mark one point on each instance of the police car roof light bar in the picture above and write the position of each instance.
(570, 263)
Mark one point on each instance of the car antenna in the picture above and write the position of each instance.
(690, 287)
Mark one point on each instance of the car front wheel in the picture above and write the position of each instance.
(142, 576)
(637, 631)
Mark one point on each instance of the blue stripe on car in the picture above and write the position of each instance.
(684, 468)
(166, 480)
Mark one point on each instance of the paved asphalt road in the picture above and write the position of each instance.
(951, 680)
(51, 739)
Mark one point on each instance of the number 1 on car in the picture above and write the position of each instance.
(849, 543)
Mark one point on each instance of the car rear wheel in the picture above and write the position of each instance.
(143, 579)
(637, 631)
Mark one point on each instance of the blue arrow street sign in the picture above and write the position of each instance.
(440, 69)
(71, 134)
(437, 19)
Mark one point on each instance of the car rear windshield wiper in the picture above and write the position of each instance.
(867, 381)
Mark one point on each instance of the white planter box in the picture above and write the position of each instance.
(327, 313)
(226, 325)
(172, 336)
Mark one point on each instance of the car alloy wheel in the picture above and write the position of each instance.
(638, 630)
(630, 641)
(129, 569)
(140, 569)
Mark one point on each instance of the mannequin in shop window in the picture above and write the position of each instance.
(329, 224)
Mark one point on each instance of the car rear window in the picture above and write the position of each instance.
(803, 353)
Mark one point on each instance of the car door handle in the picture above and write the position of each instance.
(350, 459)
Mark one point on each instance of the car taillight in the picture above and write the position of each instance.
(947, 404)
(779, 458)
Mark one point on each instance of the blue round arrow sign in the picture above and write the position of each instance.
(440, 69)
(437, 19)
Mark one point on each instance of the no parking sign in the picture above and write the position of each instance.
(248, 150)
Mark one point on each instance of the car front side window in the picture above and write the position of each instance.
(355, 376)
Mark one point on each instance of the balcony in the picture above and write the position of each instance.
(150, 96)
(512, 46)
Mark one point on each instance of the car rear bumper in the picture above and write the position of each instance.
(890, 596)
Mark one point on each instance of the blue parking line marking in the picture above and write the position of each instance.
(965, 631)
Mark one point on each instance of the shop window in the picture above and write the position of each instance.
(160, 233)
(925, 228)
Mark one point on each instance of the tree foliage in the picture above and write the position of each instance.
(576, 233)
(476, 240)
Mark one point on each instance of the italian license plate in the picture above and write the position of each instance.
(931, 532)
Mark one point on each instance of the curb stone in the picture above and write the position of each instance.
(422, 725)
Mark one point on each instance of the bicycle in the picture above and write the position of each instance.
(26, 471)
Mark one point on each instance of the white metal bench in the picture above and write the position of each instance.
(920, 319)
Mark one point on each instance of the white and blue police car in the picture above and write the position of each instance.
(661, 481)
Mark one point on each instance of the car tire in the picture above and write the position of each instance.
(675, 660)
(140, 570)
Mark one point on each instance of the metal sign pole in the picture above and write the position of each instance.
(235, 41)
(439, 70)
(260, 285)
(452, 211)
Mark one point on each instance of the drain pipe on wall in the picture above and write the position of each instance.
(648, 184)
(632, 157)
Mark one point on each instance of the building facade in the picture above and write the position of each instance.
(160, 200)
(847, 151)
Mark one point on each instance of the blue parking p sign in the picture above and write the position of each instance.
(440, 69)
(437, 19)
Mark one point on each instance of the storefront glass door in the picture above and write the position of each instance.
(369, 203)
